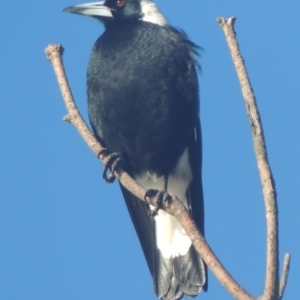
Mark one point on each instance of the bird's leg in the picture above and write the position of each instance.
(162, 197)
(166, 177)
(113, 160)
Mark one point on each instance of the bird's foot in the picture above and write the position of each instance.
(113, 160)
(161, 197)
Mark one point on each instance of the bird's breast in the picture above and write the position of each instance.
(142, 95)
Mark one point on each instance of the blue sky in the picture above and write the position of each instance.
(65, 233)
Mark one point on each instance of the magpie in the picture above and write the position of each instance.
(143, 103)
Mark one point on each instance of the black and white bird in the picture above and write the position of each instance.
(143, 102)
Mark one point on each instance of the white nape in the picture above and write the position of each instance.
(152, 14)
(171, 238)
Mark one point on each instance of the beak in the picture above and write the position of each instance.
(94, 9)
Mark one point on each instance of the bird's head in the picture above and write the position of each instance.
(119, 10)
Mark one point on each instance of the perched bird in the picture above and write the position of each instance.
(143, 102)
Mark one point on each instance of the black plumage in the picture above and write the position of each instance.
(133, 92)
(143, 104)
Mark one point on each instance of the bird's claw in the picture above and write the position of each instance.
(113, 160)
(151, 193)
(161, 197)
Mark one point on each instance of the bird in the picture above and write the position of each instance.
(143, 104)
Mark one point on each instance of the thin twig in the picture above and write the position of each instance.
(271, 289)
(284, 275)
(174, 207)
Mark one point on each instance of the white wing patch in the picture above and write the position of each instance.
(152, 14)
(171, 238)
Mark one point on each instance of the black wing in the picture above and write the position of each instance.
(144, 225)
(195, 192)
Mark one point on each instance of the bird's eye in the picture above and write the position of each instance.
(120, 3)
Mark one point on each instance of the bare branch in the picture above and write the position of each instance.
(174, 207)
(271, 289)
(284, 275)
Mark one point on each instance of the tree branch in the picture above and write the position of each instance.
(271, 290)
(173, 207)
(284, 275)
